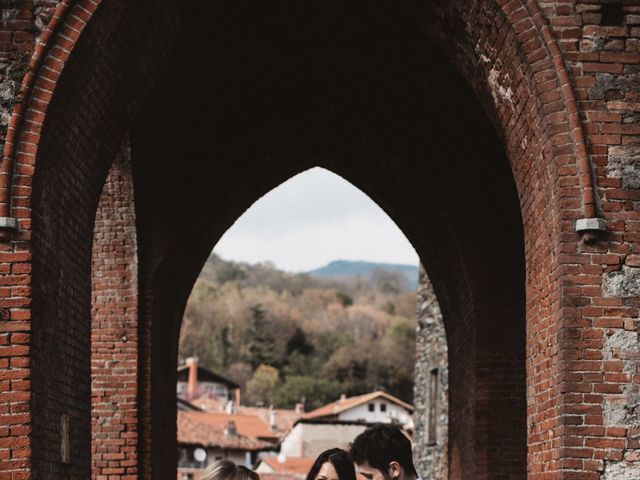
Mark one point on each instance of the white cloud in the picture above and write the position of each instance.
(311, 219)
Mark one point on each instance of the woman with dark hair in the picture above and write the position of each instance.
(333, 464)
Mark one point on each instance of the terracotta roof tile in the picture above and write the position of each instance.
(208, 429)
(285, 418)
(345, 404)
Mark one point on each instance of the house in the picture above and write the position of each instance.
(309, 438)
(338, 423)
(204, 438)
(184, 405)
(245, 425)
(375, 407)
(280, 420)
(212, 425)
(195, 382)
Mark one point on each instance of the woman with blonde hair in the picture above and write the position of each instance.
(226, 470)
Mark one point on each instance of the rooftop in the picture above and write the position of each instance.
(211, 430)
(284, 418)
(344, 404)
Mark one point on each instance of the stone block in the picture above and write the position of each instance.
(624, 163)
(624, 283)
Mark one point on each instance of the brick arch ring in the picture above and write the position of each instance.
(70, 18)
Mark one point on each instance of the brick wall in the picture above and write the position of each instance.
(425, 108)
(17, 35)
(114, 328)
(81, 140)
(21, 23)
(601, 42)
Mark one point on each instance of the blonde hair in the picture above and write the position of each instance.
(226, 470)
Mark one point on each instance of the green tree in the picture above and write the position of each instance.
(313, 392)
(387, 282)
(240, 373)
(298, 343)
(298, 364)
(394, 369)
(230, 272)
(261, 389)
(261, 340)
(344, 298)
(349, 366)
(328, 341)
(389, 308)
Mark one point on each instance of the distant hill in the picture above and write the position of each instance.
(352, 269)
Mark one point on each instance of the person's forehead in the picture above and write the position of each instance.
(327, 470)
(365, 468)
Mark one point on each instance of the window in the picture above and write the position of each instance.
(383, 407)
(433, 407)
(372, 407)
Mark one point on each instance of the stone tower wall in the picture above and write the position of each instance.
(430, 454)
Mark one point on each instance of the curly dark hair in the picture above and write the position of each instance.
(382, 444)
(340, 461)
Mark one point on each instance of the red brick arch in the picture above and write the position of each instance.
(507, 53)
(526, 22)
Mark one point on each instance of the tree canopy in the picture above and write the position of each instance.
(288, 338)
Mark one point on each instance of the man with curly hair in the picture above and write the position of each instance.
(383, 452)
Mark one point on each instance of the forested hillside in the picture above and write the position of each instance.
(287, 337)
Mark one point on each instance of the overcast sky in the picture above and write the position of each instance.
(312, 219)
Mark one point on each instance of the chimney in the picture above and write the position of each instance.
(343, 397)
(230, 429)
(299, 409)
(273, 425)
(237, 396)
(192, 385)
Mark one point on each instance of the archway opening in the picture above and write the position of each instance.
(307, 304)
